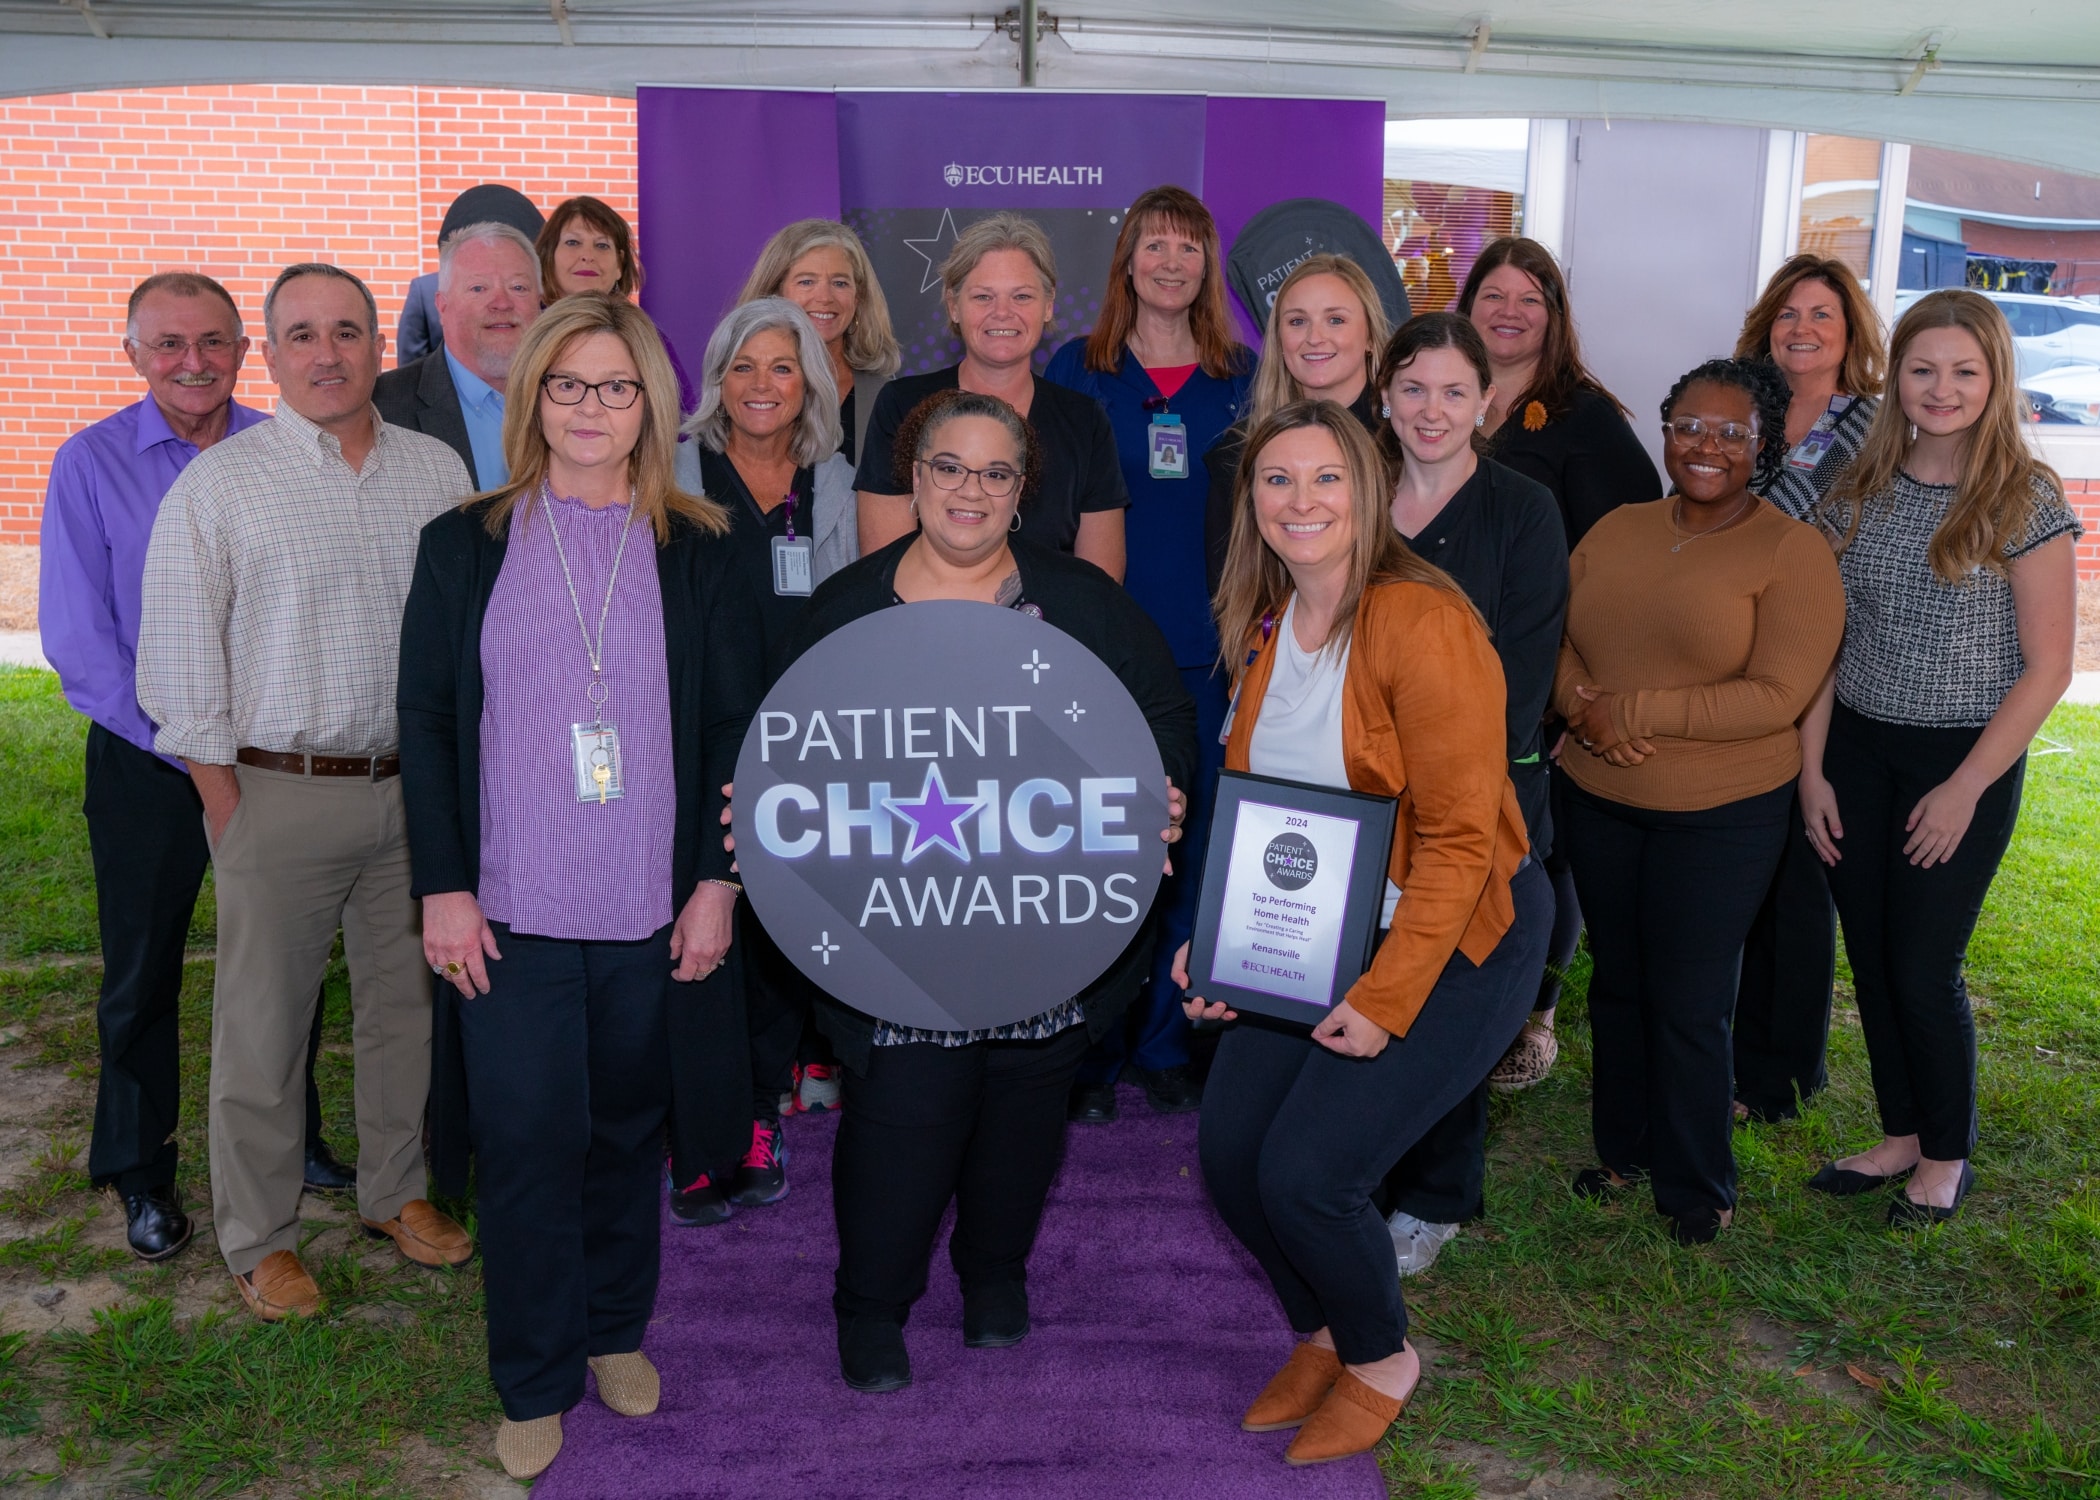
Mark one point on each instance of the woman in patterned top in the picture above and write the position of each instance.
(1956, 548)
(1817, 327)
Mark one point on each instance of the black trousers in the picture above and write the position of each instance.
(983, 1125)
(568, 1084)
(1782, 1002)
(1907, 930)
(1567, 905)
(1294, 1138)
(778, 1001)
(147, 847)
(1669, 897)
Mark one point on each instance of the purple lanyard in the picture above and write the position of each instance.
(1268, 626)
(789, 500)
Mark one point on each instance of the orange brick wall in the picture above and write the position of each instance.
(2084, 495)
(98, 191)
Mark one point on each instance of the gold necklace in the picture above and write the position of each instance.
(1677, 520)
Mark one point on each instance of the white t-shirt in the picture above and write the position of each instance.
(1298, 736)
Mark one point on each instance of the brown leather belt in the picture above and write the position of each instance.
(370, 767)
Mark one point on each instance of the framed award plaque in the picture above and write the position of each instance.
(1293, 884)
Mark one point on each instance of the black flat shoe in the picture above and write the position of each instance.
(871, 1355)
(1172, 1091)
(1843, 1182)
(996, 1315)
(1092, 1104)
(1701, 1226)
(324, 1174)
(154, 1224)
(1907, 1213)
(1597, 1184)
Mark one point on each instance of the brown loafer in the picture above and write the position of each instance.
(1295, 1391)
(424, 1235)
(526, 1448)
(627, 1383)
(279, 1288)
(1352, 1420)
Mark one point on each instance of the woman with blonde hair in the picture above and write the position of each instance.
(1321, 343)
(1957, 551)
(821, 266)
(568, 724)
(1164, 366)
(1815, 325)
(1358, 665)
(998, 286)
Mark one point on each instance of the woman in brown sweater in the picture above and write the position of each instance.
(1359, 665)
(1699, 629)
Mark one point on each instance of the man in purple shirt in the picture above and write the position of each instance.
(145, 823)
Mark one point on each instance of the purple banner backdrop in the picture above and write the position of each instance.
(722, 169)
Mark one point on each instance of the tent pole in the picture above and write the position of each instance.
(1028, 35)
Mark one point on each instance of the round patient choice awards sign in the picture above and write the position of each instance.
(948, 815)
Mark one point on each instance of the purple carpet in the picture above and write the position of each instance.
(1152, 1332)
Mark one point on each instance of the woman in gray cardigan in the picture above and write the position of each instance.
(763, 442)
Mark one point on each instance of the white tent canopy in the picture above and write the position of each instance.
(2019, 81)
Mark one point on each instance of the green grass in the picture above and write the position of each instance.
(1565, 1332)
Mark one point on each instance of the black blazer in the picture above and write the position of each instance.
(713, 661)
(422, 398)
(1085, 603)
(1587, 456)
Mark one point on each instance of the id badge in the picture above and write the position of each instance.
(1168, 443)
(597, 754)
(1809, 451)
(794, 565)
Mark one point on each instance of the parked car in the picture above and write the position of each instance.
(2047, 331)
(2065, 393)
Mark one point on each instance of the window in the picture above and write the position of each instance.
(1451, 186)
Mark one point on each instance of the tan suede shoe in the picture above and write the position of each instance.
(526, 1448)
(627, 1383)
(279, 1288)
(424, 1235)
(1352, 1420)
(1295, 1391)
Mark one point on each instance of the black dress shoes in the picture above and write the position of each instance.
(154, 1224)
(1843, 1182)
(1092, 1103)
(1906, 1213)
(324, 1174)
(1173, 1091)
(871, 1355)
(995, 1315)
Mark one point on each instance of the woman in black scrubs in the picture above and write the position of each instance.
(763, 444)
(1498, 534)
(1553, 421)
(998, 286)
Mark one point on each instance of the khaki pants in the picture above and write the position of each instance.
(300, 858)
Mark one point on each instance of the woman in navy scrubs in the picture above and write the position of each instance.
(1163, 364)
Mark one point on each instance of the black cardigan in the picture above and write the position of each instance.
(1084, 602)
(1500, 537)
(714, 666)
(1587, 456)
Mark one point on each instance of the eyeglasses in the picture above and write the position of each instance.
(997, 481)
(172, 347)
(1733, 436)
(566, 390)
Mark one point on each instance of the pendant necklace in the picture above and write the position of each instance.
(1677, 518)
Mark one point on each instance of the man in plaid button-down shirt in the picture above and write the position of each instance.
(268, 644)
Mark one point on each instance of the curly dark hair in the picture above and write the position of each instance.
(915, 433)
(1769, 396)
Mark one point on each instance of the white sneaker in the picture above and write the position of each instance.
(1416, 1241)
(817, 1087)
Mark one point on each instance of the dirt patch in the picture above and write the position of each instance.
(42, 1120)
(464, 1473)
(1497, 1476)
(18, 587)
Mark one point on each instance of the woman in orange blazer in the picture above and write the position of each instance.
(1365, 668)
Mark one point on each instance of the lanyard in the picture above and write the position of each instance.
(789, 501)
(591, 649)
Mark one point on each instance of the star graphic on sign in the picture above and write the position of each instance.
(933, 817)
(1075, 711)
(930, 250)
(1035, 666)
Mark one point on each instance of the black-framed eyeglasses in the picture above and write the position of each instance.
(1689, 431)
(996, 480)
(567, 390)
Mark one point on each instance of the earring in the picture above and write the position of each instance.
(1481, 420)
(1015, 525)
(1385, 411)
(1914, 432)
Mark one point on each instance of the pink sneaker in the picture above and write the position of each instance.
(762, 1176)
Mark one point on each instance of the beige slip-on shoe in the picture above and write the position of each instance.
(627, 1383)
(526, 1448)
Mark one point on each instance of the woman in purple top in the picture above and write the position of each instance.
(571, 705)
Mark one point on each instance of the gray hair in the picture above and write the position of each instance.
(999, 232)
(488, 232)
(315, 268)
(817, 431)
(177, 284)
